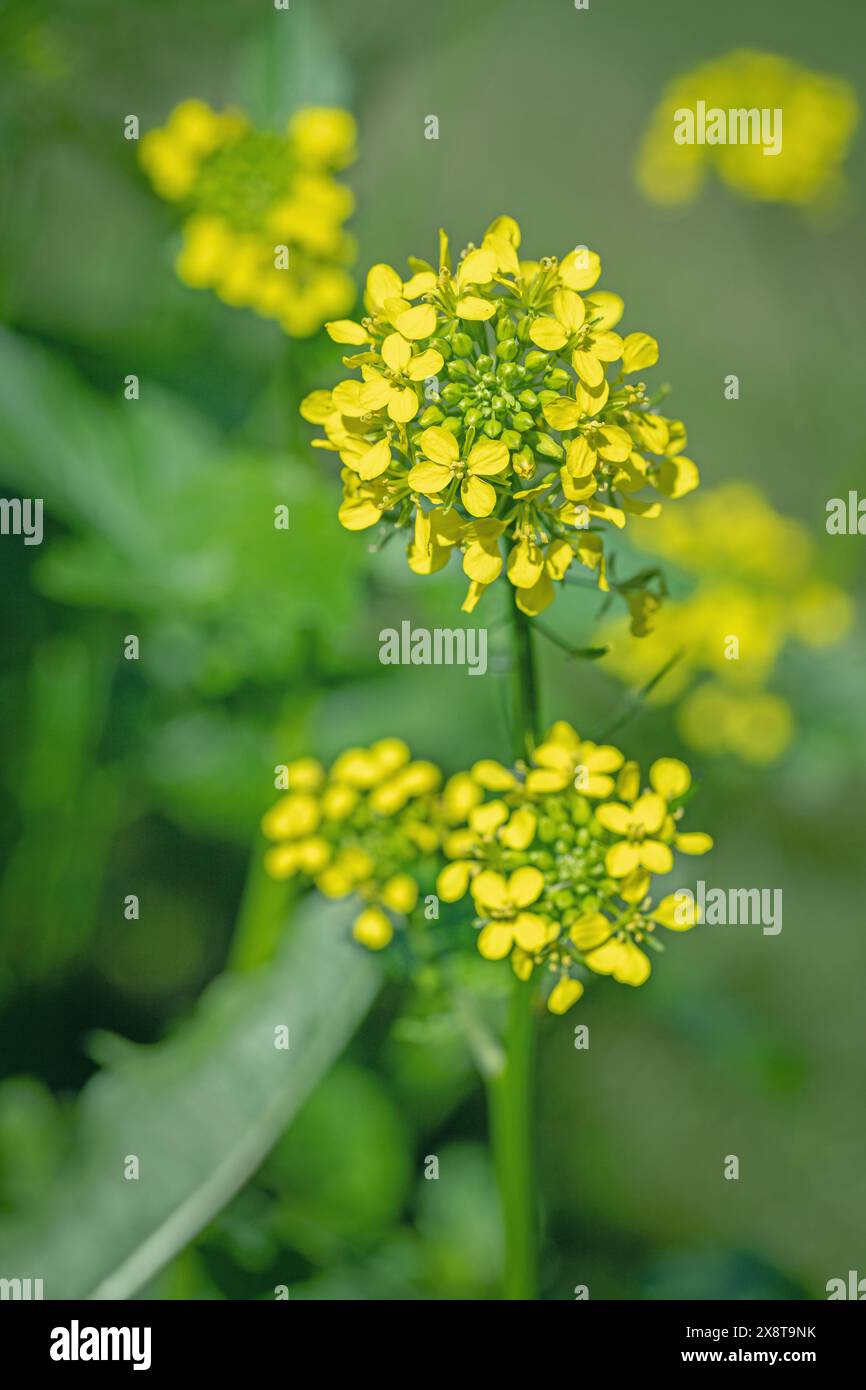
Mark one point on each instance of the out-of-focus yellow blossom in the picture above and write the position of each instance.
(263, 212)
(361, 828)
(492, 416)
(559, 854)
(756, 589)
(819, 116)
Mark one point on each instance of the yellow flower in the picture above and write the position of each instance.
(264, 215)
(442, 466)
(800, 163)
(565, 760)
(515, 357)
(505, 900)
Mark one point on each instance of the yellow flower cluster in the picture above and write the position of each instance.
(559, 855)
(492, 415)
(756, 590)
(264, 213)
(359, 828)
(819, 116)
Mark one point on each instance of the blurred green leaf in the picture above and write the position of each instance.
(200, 1110)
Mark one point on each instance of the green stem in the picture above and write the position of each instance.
(525, 726)
(261, 917)
(510, 1104)
(510, 1089)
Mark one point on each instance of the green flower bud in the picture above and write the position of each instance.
(459, 371)
(492, 428)
(485, 363)
(535, 360)
(556, 379)
(523, 329)
(563, 899)
(472, 416)
(462, 344)
(582, 837)
(511, 439)
(507, 351)
(442, 346)
(528, 398)
(432, 416)
(509, 373)
(547, 830)
(591, 903)
(541, 858)
(504, 328)
(561, 846)
(570, 916)
(454, 424)
(498, 403)
(452, 393)
(547, 446)
(522, 421)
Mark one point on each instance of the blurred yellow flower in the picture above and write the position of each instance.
(756, 589)
(263, 225)
(819, 114)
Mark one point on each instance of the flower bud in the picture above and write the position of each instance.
(535, 360)
(462, 344)
(508, 350)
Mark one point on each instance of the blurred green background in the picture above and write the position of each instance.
(150, 777)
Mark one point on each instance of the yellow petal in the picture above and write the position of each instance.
(418, 322)
(676, 912)
(548, 334)
(495, 940)
(564, 993)
(649, 812)
(520, 830)
(454, 880)
(488, 457)
(656, 856)
(525, 885)
(424, 365)
(478, 497)
(580, 269)
(402, 405)
(530, 930)
(614, 817)
(562, 414)
(492, 776)
(588, 368)
(525, 564)
(621, 859)
(429, 478)
(439, 445)
(396, 352)
(590, 931)
(477, 268)
(639, 350)
(486, 820)
(376, 460)
(346, 331)
(694, 842)
(382, 283)
(670, 777)
(473, 307)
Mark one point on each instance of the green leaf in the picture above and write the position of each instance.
(200, 1111)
